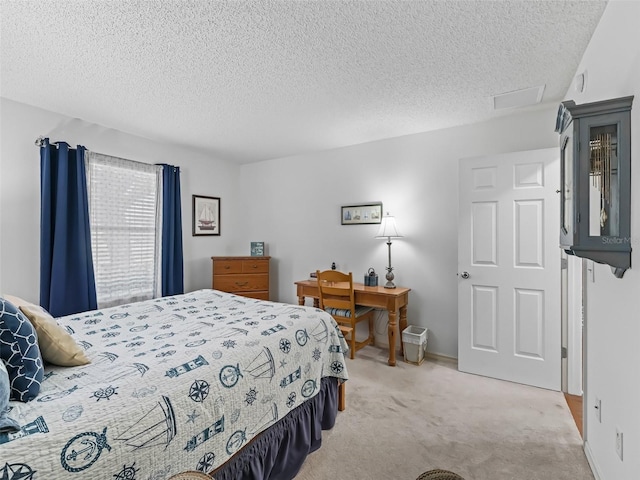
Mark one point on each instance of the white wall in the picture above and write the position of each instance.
(293, 204)
(612, 62)
(20, 191)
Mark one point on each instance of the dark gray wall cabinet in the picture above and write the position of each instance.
(595, 194)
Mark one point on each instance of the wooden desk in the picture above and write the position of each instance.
(390, 299)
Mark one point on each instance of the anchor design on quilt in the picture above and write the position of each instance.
(302, 337)
(229, 375)
(308, 388)
(84, 450)
(235, 441)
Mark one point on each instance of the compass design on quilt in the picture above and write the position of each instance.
(285, 345)
(17, 471)
(337, 367)
(199, 391)
(206, 462)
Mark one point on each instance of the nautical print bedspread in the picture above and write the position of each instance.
(177, 383)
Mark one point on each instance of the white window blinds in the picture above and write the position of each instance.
(125, 216)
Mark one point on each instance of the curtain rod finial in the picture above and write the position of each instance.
(40, 141)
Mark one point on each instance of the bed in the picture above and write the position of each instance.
(207, 381)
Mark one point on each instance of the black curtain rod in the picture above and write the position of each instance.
(40, 142)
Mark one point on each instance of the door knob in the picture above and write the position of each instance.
(465, 275)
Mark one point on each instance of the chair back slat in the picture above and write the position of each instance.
(336, 290)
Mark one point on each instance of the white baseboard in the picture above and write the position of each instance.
(592, 461)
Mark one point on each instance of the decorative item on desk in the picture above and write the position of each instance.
(389, 230)
(257, 249)
(371, 278)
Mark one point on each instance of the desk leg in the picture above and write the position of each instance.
(403, 325)
(316, 301)
(392, 337)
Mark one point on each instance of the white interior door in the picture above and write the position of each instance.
(509, 324)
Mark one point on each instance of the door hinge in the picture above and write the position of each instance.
(563, 352)
(578, 217)
(564, 263)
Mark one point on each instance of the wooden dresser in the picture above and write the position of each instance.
(246, 276)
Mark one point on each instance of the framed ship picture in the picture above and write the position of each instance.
(361, 214)
(206, 215)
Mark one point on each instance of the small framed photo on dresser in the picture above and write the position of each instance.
(257, 249)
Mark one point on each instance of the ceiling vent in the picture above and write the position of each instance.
(519, 98)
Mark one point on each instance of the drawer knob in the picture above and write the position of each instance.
(241, 284)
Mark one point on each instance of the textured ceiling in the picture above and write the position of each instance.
(254, 80)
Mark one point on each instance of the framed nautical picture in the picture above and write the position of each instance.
(361, 214)
(206, 215)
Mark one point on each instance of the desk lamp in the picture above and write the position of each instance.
(389, 230)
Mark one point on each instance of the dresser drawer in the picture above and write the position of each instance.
(224, 267)
(241, 282)
(258, 295)
(255, 266)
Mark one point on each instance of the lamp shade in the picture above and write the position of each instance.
(388, 228)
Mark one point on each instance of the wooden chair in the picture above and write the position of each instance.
(338, 299)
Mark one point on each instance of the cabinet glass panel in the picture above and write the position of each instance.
(604, 191)
(567, 184)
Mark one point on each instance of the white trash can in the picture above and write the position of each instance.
(414, 343)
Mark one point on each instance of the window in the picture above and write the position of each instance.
(125, 216)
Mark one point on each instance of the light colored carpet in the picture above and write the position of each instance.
(403, 421)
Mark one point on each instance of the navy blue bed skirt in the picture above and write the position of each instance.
(279, 452)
